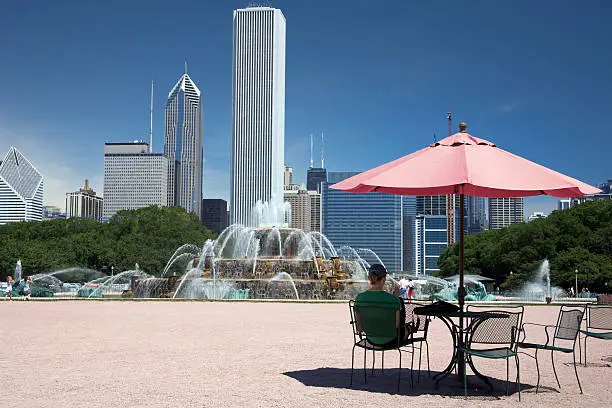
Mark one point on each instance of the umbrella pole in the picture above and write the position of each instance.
(461, 289)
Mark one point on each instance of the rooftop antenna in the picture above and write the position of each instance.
(311, 161)
(185, 66)
(151, 121)
(322, 151)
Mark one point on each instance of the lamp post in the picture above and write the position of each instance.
(112, 271)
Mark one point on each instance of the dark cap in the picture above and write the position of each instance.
(378, 270)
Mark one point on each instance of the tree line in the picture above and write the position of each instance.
(147, 236)
(577, 239)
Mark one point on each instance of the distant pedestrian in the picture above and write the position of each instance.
(571, 291)
(410, 290)
(403, 283)
(26, 287)
(9, 288)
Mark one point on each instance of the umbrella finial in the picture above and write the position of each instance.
(462, 127)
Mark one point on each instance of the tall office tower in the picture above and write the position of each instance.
(258, 110)
(183, 145)
(214, 214)
(21, 189)
(505, 211)
(431, 205)
(288, 177)
(301, 208)
(314, 177)
(133, 177)
(408, 236)
(372, 221)
(476, 213)
(315, 211)
(430, 239)
(84, 203)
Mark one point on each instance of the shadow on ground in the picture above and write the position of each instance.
(386, 383)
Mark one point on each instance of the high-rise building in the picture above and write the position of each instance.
(258, 110)
(476, 214)
(301, 208)
(288, 177)
(183, 145)
(505, 211)
(408, 236)
(371, 221)
(315, 211)
(133, 177)
(21, 189)
(214, 214)
(84, 203)
(314, 177)
(430, 239)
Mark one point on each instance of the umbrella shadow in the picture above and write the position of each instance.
(386, 383)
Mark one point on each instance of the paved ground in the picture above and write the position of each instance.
(199, 354)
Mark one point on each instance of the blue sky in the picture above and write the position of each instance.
(376, 77)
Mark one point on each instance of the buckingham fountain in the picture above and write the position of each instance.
(270, 261)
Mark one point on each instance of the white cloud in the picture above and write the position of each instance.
(59, 173)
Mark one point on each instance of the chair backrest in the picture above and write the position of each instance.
(423, 322)
(497, 330)
(599, 317)
(374, 320)
(569, 321)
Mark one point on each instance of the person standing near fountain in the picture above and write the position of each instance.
(403, 284)
(377, 276)
(410, 290)
(9, 289)
(26, 287)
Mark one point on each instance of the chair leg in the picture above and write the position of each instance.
(465, 382)
(585, 349)
(399, 371)
(428, 370)
(576, 371)
(518, 375)
(352, 365)
(373, 361)
(365, 370)
(507, 374)
(420, 357)
(552, 358)
(537, 368)
(412, 368)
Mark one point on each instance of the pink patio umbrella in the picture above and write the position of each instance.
(464, 164)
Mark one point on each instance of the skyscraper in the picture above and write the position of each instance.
(21, 189)
(258, 110)
(314, 177)
(363, 221)
(505, 211)
(84, 203)
(183, 145)
(133, 177)
(214, 214)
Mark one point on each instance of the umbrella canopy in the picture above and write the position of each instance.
(464, 164)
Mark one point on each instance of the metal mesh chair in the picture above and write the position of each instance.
(598, 325)
(371, 322)
(565, 331)
(419, 335)
(501, 332)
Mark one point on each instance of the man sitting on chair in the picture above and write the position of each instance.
(377, 295)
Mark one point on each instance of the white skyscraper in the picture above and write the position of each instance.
(84, 203)
(133, 177)
(183, 145)
(21, 189)
(258, 110)
(505, 211)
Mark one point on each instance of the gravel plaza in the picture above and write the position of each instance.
(248, 354)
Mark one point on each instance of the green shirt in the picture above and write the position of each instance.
(379, 297)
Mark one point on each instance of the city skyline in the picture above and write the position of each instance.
(373, 102)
